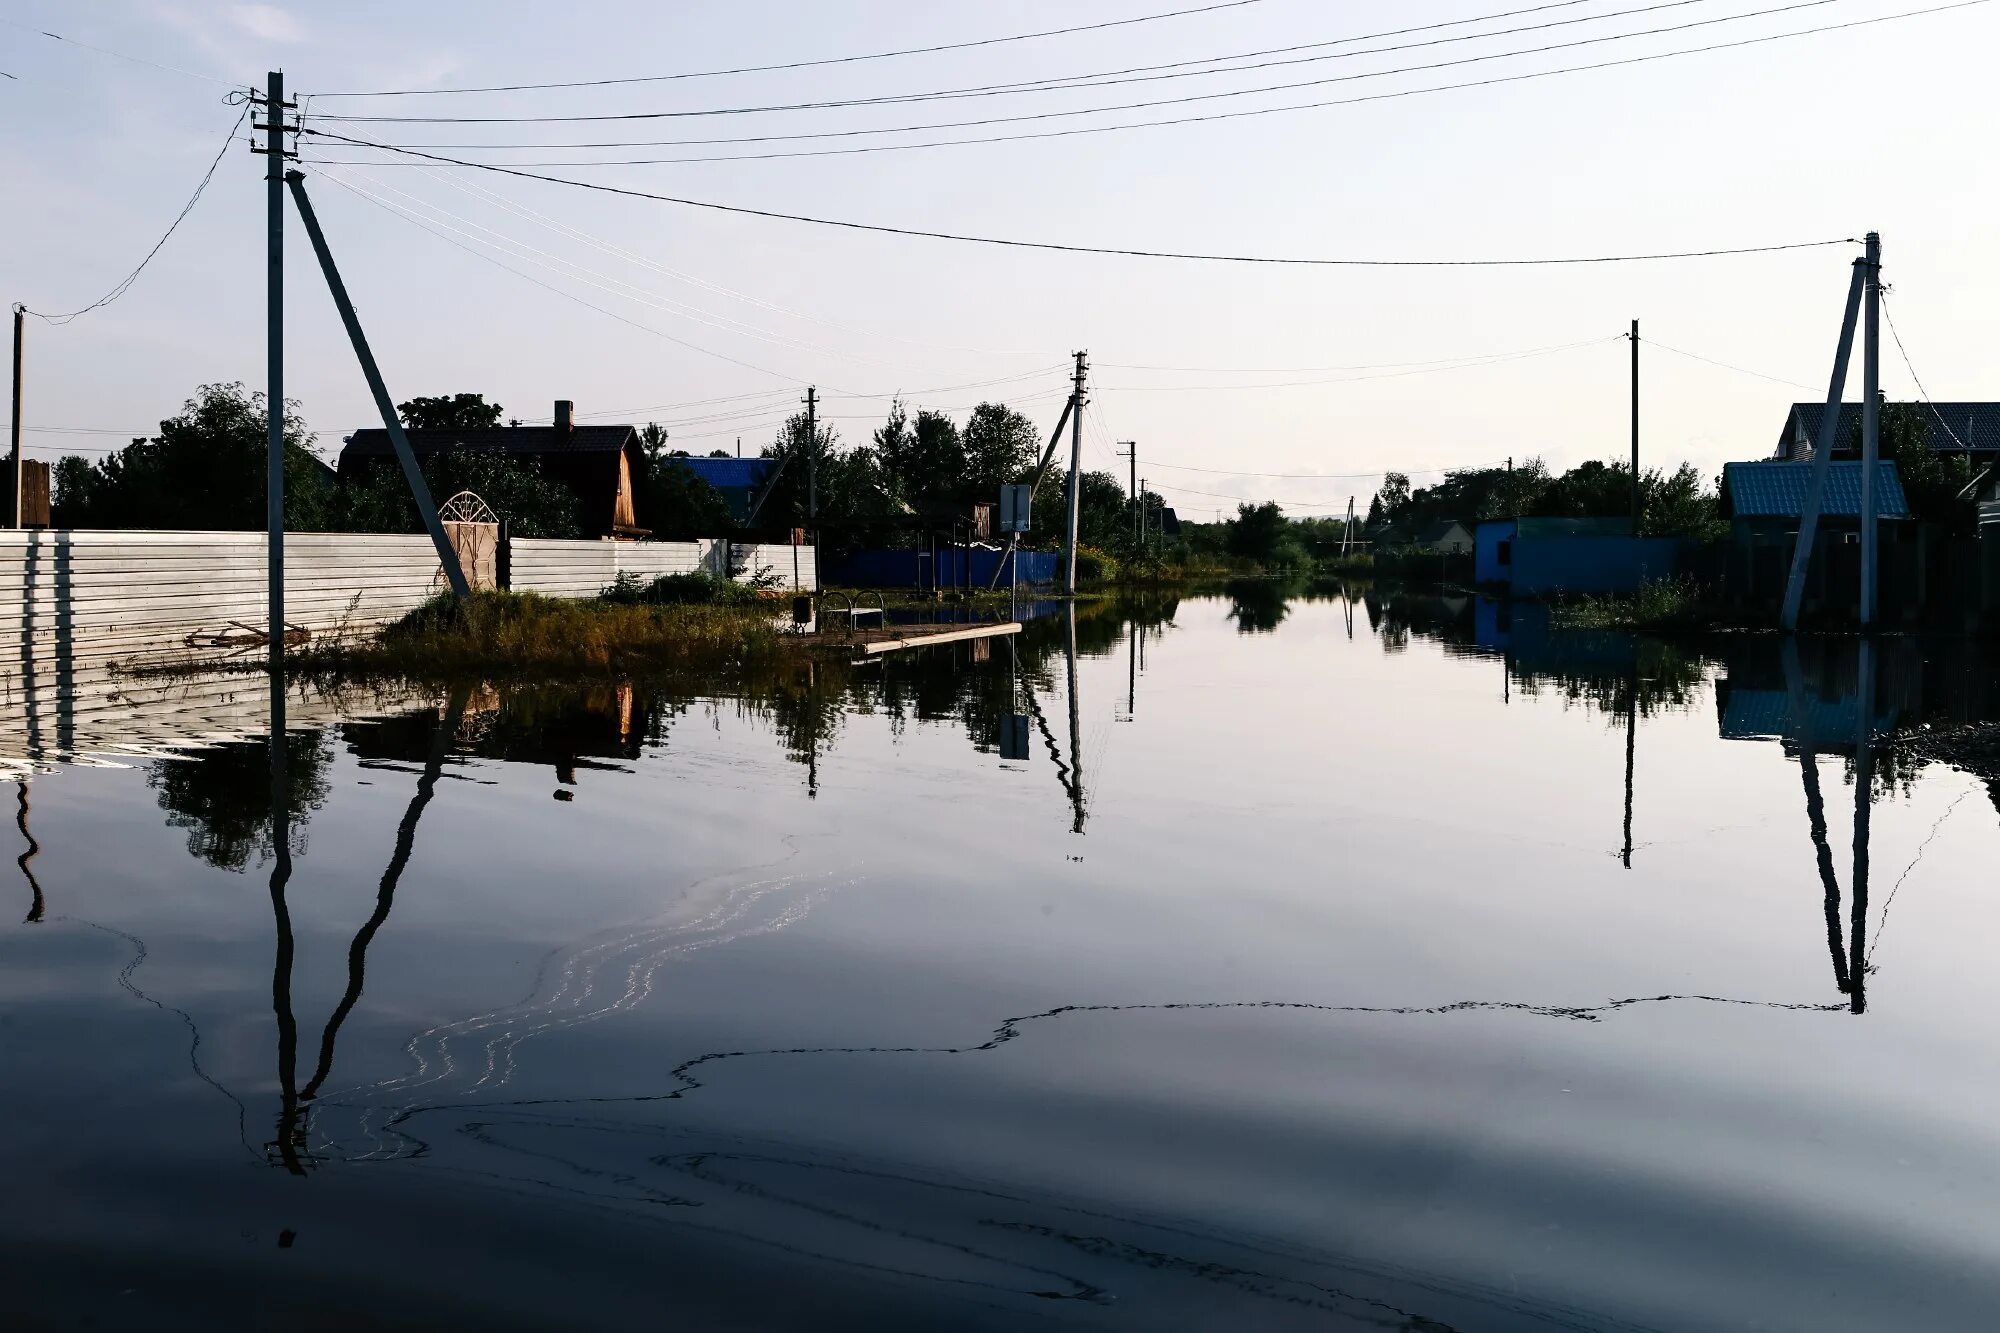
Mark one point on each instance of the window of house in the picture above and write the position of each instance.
(1506, 552)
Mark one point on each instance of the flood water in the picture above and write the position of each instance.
(1285, 962)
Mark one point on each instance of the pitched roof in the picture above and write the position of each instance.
(543, 440)
(729, 473)
(1778, 490)
(1976, 427)
(1438, 530)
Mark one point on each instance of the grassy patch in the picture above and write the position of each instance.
(522, 636)
(1659, 606)
(697, 588)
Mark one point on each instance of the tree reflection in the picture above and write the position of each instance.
(222, 798)
(1259, 606)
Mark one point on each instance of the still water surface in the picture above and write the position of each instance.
(1350, 964)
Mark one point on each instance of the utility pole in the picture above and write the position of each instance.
(1347, 529)
(15, 430)
(1131, 452)
(1635, 428)
(275, 153)
(1871, 423)
(812, 475)
(1075, 474)
(1145, 532)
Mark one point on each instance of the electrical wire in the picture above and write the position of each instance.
(803, 64)
(1075, 82)
(568, 296)
(1204, 118)
(897, 99)
(179, 217)
(119, 55)
(1741, 370)
(562, 228)
(1061, 247)
(1431, 369)
(1908, 365)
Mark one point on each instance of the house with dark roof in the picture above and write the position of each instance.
(598, 464)
(1952, 428)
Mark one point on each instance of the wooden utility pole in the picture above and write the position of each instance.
(1077, 401)
(14, 433)
(1635, 429)
(1871, 425)
(812, 454)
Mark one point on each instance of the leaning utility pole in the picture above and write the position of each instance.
(275, 153)
(1635, 428)
(15, 431)
(1075, 474)
(1871, 424)
(399, 440)
(1829, 432)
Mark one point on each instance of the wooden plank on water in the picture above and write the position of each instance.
(942, 635)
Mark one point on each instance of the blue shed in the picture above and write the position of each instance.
(1533, 557)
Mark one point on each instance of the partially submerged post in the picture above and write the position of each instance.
(1871, 422)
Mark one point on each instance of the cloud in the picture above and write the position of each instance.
(267, 22)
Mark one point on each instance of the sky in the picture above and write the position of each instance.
(1294, 383)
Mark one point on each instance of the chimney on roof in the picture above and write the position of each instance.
(565, 409)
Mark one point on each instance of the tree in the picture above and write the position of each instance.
(377, 499)
(205, 469)
(1261, 533)
(1393, 498)
(999, 448)
(461, 411)
(1932, 482)
(797, 455)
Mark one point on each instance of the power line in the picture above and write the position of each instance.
(118, 55)
(1004, 89)
(1090, 249)
(179, 217)
(568, 296)
(1428, 369)
(1741, 370)
(1204, 118)
(800, 64)
(1066, 83)
(1918, 382)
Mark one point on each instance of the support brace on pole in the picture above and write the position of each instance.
(1829, 428)
(1041, 470)
(419, 490)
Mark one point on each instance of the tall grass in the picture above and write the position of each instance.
(1659, 605)
(525, 636)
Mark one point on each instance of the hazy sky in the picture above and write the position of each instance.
(1823, 136)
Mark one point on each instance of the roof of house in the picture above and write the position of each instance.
(1437, 531)
(1778, 490)
(1953, 427)
(729, 473)
(540, 440)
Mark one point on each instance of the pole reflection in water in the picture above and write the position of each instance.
(385, 896)
(37, 904)
(1631, 751)
(1864, 801)
(1816, 811)
(288, 1147)
(1075, 725)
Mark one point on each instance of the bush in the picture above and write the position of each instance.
(698, 588)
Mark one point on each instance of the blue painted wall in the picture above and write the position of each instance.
(910, 569)
(1542, 566)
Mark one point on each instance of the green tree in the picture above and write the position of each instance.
(205, 469)
(1000, 447)
(1932, 482)
(1261, 533)
(460, 411)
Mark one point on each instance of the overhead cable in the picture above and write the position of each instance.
(1203, 118)
(188, 207)
(804, 64)
(999, 90)
(1062, 247)
(119, 55)
(1724, 365)
(1914, 379)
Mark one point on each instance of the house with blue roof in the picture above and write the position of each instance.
(738, 480)
(1763, 501)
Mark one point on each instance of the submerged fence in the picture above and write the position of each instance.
(78, 604)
